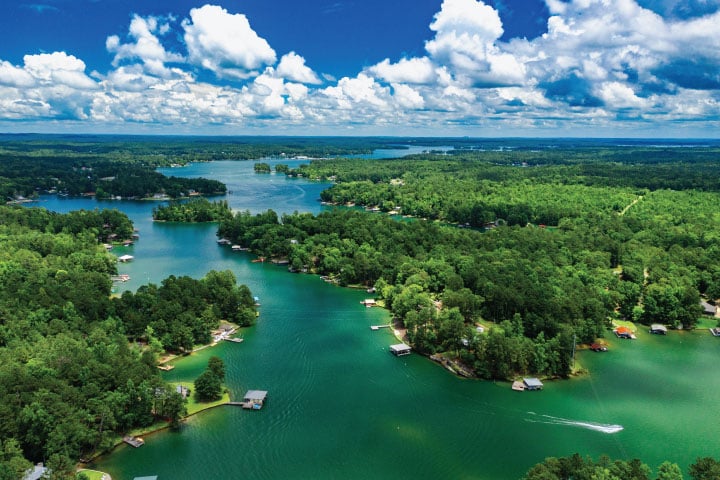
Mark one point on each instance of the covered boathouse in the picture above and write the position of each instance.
(400, 349)
(532, 384)
(658, 329)
(254, 399)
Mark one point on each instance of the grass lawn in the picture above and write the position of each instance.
(194, 406)
(706, 322)
(93, 474)
(625, 323)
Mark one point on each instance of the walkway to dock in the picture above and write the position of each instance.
(246, 405)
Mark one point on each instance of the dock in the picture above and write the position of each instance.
(378, 327)
(715, 332)
(532, 383)
(400, 349)
(518, 386)
(253, 400)
(133, 441)
(234, 339)
(166, 368)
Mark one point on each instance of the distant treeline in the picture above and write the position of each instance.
(26, 176)
(124, 166)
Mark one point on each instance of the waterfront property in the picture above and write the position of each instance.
(532, 384)
(658, 329)
(400, 349)
(35, 473)
(708, 308)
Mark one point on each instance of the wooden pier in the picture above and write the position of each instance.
(166, 368)
(378, 327)
(234, 339)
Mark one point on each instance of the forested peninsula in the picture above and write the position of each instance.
(556, 245)
(78, 366)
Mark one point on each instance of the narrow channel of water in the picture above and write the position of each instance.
(340, 406)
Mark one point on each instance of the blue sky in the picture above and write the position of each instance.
(622, 68)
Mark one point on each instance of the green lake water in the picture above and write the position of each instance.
(340, 406)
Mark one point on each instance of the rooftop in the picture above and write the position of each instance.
(256, 395)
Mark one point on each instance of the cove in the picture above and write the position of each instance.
(340, 406)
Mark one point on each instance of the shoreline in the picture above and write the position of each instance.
(161, 425)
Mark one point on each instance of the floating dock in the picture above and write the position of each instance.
(378, 327)
(166, 368)
(133, 441)
(234, 339)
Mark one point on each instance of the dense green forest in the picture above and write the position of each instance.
(195, 210)
(124, 166)
(576, 467)
(557, 250)
(77, 367)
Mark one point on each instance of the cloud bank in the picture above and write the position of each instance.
(602, 66)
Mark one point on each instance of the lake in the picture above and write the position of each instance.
(341, 406)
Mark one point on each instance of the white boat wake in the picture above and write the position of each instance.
(598, 427)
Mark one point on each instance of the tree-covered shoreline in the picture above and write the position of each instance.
(570, 244)
(78, 367)
(195, 210)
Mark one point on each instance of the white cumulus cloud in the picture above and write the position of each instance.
(407, 70)
(225, 43)
(146, 46)
(292, 67)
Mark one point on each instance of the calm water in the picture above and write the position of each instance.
(340, 406)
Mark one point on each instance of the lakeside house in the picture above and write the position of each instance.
(400, 349)
(36, 473)
(658, 329)
(708, 308)
(182, 390)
